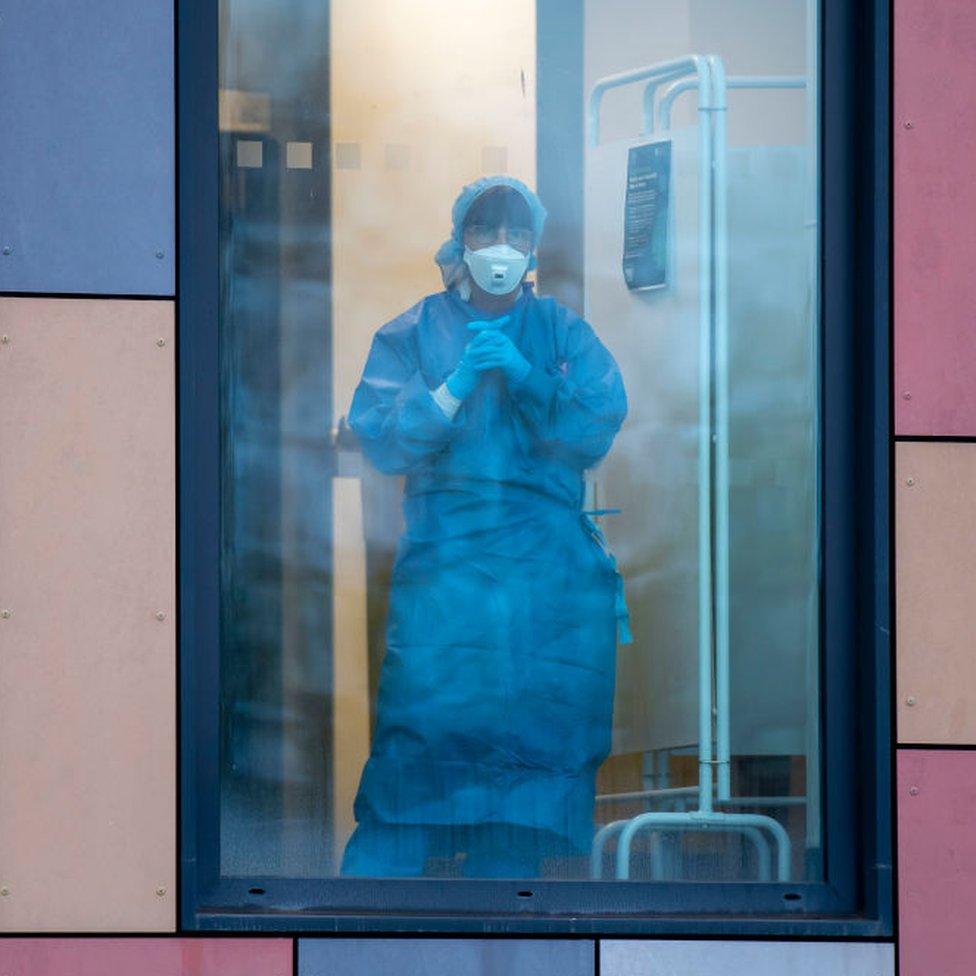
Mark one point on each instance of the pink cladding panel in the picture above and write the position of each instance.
(146, 957)
(937, 861)
(935, 217)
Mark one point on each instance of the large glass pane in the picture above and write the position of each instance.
(520, 567)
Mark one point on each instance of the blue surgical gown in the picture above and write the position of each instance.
(496, 690)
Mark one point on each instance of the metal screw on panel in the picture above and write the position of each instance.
(913, 790)
(906, 395)
(160, 255)
(4, 891)
(160, 615)
(160, 891)
(5, 339)
(909, 482)
(5, 614)
(909, 124)
(910, 700)
(160, 342)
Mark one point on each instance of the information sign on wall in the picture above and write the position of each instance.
(646, 216)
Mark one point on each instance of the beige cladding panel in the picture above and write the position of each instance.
(87, 634)
(936, 592)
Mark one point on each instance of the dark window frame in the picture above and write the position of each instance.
(856, 899)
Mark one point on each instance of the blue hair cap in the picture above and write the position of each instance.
(450, 256)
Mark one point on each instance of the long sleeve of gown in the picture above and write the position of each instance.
(575, 410)
(398, 422)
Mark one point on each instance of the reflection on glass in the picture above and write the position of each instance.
(484, 613)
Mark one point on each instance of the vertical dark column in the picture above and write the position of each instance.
(276, 451)
(559, 153)
(198, 419)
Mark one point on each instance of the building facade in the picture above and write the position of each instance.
(764, 211)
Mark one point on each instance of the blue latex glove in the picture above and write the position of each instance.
(492, 349)
(480, 325)
(462, 382)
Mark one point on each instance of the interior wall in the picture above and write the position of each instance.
(754, 37)
(652, 472)
(427, 95)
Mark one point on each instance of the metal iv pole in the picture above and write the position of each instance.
(707, 75)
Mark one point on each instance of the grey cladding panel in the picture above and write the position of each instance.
(440, 957)
(708, 958)
(87, 116)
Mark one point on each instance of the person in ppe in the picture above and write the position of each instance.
(496, 691)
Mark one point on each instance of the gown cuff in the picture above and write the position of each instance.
(446, 400)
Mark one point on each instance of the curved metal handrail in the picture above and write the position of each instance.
(675, 68)
(773, 82)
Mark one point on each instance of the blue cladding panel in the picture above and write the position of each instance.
(640, 958)
(86, 116)
(438, 957)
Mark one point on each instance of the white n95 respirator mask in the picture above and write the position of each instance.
(497, 269)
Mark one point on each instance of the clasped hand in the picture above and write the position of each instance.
(489, 349)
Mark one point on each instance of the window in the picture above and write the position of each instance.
(531, 512)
